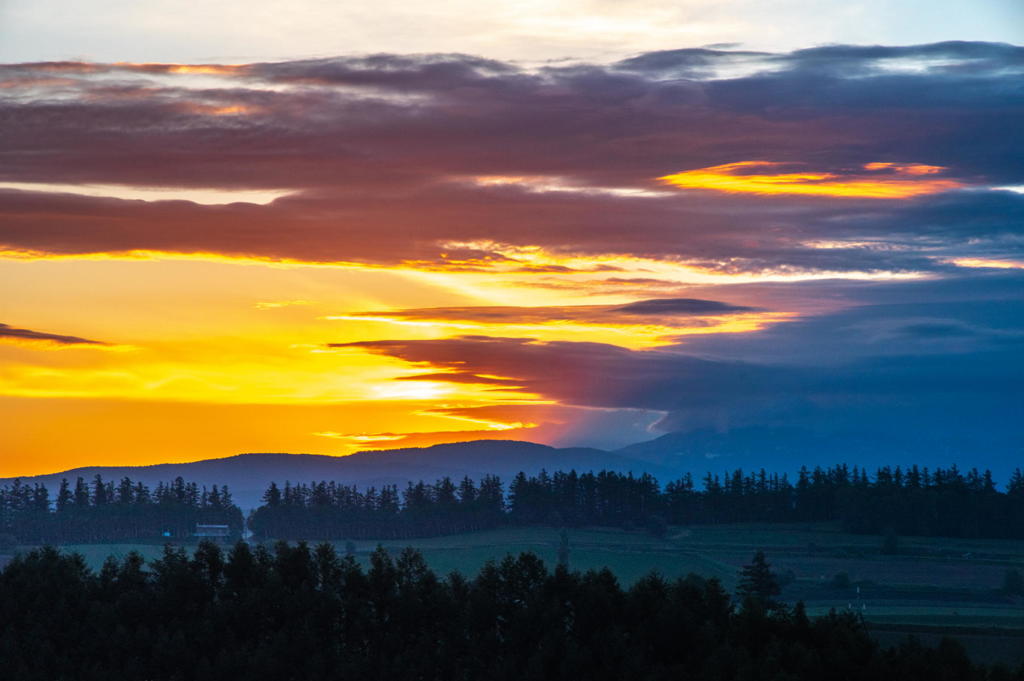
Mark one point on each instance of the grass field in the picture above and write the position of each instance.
(952, 582)
(630, 555)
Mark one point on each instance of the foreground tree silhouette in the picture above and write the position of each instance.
(758, 584)
(292, 611)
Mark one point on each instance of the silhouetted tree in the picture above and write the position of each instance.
(296, 612)
(758, 584)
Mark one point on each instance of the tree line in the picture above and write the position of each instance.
(915, 501)
(912, 501)
(329, 510)
(100, 511)
(295, 612)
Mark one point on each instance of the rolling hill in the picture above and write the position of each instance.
(249, 474)
(668, 457)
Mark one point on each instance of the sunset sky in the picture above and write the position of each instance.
(228, 228)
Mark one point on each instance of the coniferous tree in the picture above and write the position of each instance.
(758, 584)
(892, 502)
(81, 494)
(99, 491)
(272, 497)
(64, 497)
(299, 612)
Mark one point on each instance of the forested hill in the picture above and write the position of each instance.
(249, 474)
(669, 457)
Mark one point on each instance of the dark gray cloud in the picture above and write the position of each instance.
(841, 60)
(955, 315)
(599, 375)
(680, 306)
(693, 61)
(941, 358)
(588, 374)
(641, 311)
(7, 331)
(414, 222)
(379, 149)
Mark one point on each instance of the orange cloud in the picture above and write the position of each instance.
(63, 67)
(639, 324)
(218, 110)
(882, 180)
(211, 69)
(193, 69)
(385, 441)
(35, 82)
(358, 439)
(490, 429)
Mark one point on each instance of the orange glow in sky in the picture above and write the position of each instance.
(213, 110)
(881, 181)
(207, 336)
(189, 69)
(194, 337)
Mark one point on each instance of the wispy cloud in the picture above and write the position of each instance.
(12, 333)
(878, 180)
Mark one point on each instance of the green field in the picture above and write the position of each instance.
(933, 581)
(630, 555)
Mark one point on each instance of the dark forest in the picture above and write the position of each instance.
(916, 501)
(942, 502)
(292, 612)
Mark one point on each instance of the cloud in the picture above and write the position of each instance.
(643, 323)
(939, 355)
(840, 60)
(8, 332)
(680, 306)
(383, 153)
(413, 225)
(639, 312)
(588, 374)
(874, 180)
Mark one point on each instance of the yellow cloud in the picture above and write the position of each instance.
(882, 180)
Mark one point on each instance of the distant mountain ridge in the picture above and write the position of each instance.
(249, 474)
(784, 449)
(777, 449)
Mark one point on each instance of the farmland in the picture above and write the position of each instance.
(953, 584)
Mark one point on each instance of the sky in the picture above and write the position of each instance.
(227, 228)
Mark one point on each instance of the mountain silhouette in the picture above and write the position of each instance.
(249, 474)
(698, 452)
